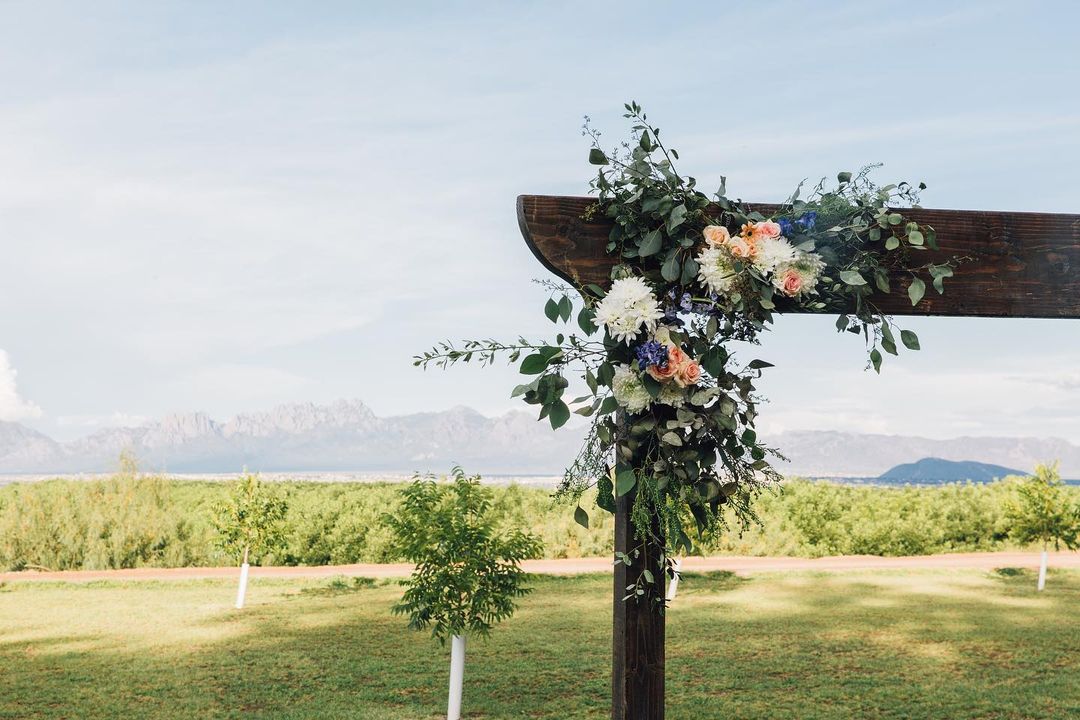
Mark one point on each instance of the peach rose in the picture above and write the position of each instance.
(769, 229)
(716, 235)
(675, 356)
(689, 374)
(663, 374)
(792, 283)
(742, 247)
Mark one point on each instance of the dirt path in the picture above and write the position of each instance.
(739, 564)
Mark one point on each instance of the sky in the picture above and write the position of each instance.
(224, 206)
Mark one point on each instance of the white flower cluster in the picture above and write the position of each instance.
(629, 307)
(629, 391)
(716, 271)
(773, 252)
(631, 394)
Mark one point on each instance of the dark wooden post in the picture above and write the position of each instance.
(637, 670)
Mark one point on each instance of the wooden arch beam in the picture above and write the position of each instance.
(1021, 264)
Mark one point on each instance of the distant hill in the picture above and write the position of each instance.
(936, 470)
(831, 453)
(346, 436)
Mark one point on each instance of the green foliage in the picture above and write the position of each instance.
(1042, 512)
(689, 281)
(468, 570)
(124, 521)
(250, 521)
(143, 521)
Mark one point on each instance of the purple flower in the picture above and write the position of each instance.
(651, 353)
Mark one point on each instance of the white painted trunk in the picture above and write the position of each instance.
(1042, 570)
(242, 590)
(673, 586)
(457, 677)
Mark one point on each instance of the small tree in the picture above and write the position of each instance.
(1041, 512)
(250, 525)
(468, 573)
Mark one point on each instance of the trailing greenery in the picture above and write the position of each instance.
(673, 406)
(146, 521)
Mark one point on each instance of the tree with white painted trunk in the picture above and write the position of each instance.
(1041, 512)
(468, 572)
(250, 525)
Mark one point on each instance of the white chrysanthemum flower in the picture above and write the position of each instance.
(671, 394)
(628, 306)
(800, 276)
(772, 252)
(629, 390)
(716, 270)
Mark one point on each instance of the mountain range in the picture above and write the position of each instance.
(347, 436)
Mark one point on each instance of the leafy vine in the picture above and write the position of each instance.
(672, 407)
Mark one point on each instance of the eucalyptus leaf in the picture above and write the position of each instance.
(651, 244)
(672, 438)
(916, 290)
(671, 268)
(676, 218)
(551, 309)
(558, 414)
(852, 277)
(910, 339)
(534, 364)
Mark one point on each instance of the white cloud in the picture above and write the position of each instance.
(115, 419)
(235, 387)
(12, 405)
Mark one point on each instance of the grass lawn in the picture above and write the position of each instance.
(801, 645)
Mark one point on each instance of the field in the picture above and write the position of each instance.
(927, 644)
(145, 521)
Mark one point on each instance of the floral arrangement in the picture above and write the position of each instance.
(672, 406)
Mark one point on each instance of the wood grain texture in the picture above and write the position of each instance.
(1022, 264)
(637, 668)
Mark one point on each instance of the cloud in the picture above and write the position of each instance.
(236, 386)
(115, 419)
(12, 405)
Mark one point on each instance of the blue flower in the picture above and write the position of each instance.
(651, 353)
(785, 225)
(808, 220)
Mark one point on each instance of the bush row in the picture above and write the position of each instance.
(130, 520)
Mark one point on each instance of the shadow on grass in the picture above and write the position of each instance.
(340, 586)
(912, 646)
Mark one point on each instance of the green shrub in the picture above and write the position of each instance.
(132, 520)
(468, 572)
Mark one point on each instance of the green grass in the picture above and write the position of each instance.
(800, 645)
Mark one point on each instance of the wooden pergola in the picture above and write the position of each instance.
(1016, 264)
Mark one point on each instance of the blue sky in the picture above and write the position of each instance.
(224, 206)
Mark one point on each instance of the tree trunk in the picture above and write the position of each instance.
(457, 677)
(637, 674)
(241, 591)
(1042, 569)
(673, 586)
